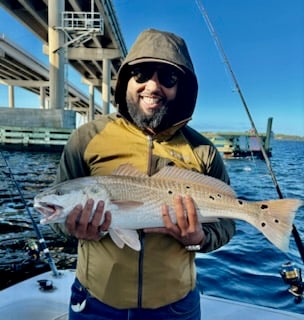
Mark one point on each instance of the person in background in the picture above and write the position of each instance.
(155, 95)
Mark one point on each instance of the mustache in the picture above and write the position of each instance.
(144, 121)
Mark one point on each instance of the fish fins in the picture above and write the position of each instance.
(178, 174)
(125, 236)
(184, 176)
(128, 169)
(277, 220)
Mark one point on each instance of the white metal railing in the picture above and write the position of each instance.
(82, 21)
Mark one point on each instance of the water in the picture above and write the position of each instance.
(247, 269)
(33, 171)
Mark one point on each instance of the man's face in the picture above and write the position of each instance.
(151, 87)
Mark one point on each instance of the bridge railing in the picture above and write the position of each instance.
(82, 21)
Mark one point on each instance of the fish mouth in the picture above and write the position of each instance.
(48, 209)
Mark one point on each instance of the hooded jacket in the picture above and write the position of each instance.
(152, 45)
(163, 271)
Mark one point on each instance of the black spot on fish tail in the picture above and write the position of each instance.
(277, 219)
(264, 224)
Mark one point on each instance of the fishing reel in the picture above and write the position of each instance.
(33, 250)
(293, 277)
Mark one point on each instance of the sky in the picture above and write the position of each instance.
(263, 41)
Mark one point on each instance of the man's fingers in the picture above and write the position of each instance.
(82, 226)
(169, 226)
(73, 218)
(86, 212)
(181, 215)
(96, 219)
(84, 223)
(191, 213)
(166, 217)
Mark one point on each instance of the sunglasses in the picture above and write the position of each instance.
(167, 76)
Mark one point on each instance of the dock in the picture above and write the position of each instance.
(83, 35)
(235, 145)
(48, 139)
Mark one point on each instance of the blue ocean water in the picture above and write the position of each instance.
(246, 269)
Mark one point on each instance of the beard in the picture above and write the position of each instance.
(144, 121)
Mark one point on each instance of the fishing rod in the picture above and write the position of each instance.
(255, 131)
(290, 274)
(41, 239)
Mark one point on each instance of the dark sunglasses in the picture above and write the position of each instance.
(167, 76)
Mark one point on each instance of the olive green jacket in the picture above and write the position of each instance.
(163, 271)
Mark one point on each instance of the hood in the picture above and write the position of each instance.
(154, 45)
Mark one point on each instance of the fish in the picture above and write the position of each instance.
(135, 199)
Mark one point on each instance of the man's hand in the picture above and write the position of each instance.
(187, 230)
(79, 224)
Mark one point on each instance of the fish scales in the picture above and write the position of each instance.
(209, 203)
(135, 201)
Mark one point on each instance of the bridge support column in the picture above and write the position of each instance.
(106, 85)
(91, 111)
(56, 56)
(11, 96)
(42, 97)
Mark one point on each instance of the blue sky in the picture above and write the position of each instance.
(263, 40)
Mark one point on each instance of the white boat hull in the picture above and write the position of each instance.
(27, 302)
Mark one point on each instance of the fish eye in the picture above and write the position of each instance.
(58, 193)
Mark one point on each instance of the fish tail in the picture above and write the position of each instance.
(277, 220)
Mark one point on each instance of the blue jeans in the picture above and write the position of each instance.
(89, 308)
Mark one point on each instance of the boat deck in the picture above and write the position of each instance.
(27, 302)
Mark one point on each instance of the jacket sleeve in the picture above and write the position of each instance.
(72, 164)
(217, 234)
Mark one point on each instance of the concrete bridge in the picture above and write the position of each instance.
(83, 33)
(19, 68)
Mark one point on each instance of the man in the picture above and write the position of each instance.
(155, 94)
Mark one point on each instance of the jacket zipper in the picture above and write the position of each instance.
(150, 151)
(141, 233)
(140, 269)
